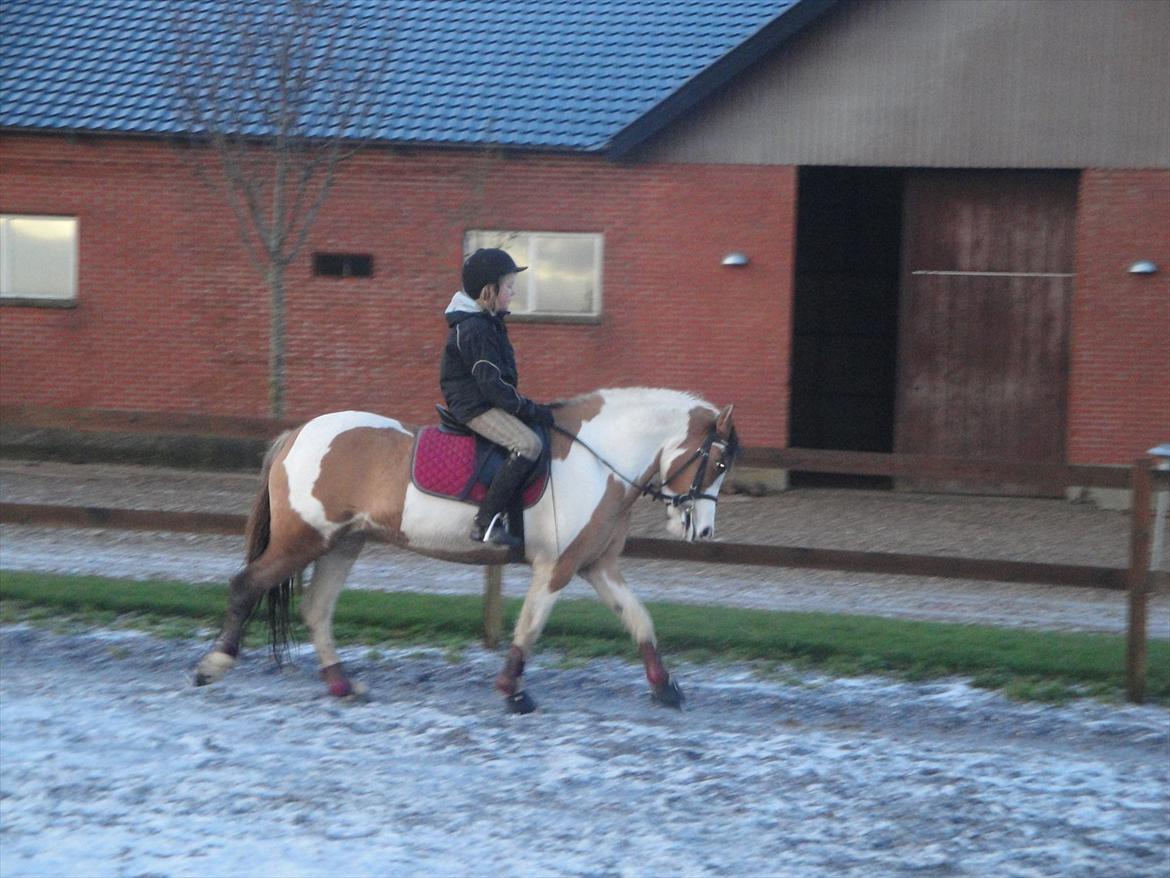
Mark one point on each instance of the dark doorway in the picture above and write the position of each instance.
(845, 320)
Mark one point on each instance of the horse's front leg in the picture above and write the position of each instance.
(611, 587)
(538, 603)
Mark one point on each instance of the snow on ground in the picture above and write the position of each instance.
(111, 764)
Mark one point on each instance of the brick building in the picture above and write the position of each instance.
(936, 206)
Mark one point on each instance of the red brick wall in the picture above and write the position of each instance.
(1119, 385)
(172, 316)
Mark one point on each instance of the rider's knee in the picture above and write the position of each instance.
(528, 447)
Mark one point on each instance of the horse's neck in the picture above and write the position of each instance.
(631, 435)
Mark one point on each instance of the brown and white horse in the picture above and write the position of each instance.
(345, 477)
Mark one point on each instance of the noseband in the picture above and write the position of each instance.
(658, 492)
(703, 454)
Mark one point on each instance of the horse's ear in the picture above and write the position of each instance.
(723, 422)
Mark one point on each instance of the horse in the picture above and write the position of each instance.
(346, 477)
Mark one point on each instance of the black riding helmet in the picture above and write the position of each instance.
(486, 266)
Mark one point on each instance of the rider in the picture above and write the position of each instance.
(478, 379)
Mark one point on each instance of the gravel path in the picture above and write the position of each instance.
(987, 527)
(111, 765)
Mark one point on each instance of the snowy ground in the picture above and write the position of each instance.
(111, 764)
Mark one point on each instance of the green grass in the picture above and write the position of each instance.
(1043, 666)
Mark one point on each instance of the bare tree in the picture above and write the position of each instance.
(274, 96)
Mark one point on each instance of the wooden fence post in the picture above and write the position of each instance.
(1138, 582)
(493, 605)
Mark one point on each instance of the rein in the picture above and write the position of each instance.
(658, 492)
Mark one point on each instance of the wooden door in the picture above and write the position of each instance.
(987, 282)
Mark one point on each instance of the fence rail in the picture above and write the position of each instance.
(867, 463)
(751, 554)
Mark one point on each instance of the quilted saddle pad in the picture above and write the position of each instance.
(447, 465)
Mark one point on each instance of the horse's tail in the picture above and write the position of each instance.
(257, 534)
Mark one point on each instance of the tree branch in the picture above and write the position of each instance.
(274, 92)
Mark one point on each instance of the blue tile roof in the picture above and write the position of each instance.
(544, 74)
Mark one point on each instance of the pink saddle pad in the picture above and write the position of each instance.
(445, 462)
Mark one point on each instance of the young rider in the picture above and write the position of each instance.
(478, 379)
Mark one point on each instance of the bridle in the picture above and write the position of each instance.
(659, 492)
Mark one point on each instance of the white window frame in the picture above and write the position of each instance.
(473, 239)
(10, 296)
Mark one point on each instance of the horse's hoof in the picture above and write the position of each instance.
(359, 693)
(212, 668)
(669, 695)
(340, 686)
(521, 702)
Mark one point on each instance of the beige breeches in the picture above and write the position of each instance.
(507, 430)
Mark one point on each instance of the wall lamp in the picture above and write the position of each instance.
(1144, 266)
(735, 259)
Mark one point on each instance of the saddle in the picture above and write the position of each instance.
(452, 461)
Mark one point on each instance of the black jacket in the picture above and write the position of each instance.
(478, 370)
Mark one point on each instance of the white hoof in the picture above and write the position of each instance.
(213, 668)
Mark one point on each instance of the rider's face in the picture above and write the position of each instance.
(501, 299)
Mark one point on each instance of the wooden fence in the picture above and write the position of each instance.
(1142, 479)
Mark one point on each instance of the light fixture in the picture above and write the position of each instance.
(1144, 266)
(735, 259)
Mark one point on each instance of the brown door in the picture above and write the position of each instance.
(987, 281)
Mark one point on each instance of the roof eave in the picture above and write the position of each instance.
(593, 149)
(707, 81)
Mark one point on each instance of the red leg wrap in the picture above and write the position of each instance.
(336, 680)
(512, 672)
(655, 673)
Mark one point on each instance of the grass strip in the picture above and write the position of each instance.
(1036, 665)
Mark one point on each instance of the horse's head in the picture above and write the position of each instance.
(693, 473)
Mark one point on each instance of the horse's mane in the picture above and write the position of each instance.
(619, 395)
(674, 399)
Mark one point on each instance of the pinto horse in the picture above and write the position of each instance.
(344, 478)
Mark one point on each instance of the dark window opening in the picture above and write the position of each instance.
(343, 265)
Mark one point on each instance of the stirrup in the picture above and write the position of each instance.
(496, 532)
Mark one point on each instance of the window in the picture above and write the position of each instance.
(343, 265)
(563, 280)
(38, 259)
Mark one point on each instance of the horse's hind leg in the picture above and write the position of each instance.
(607, 580)
(246, 589)
(320, 598)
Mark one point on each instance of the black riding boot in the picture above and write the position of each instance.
(489, 524)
